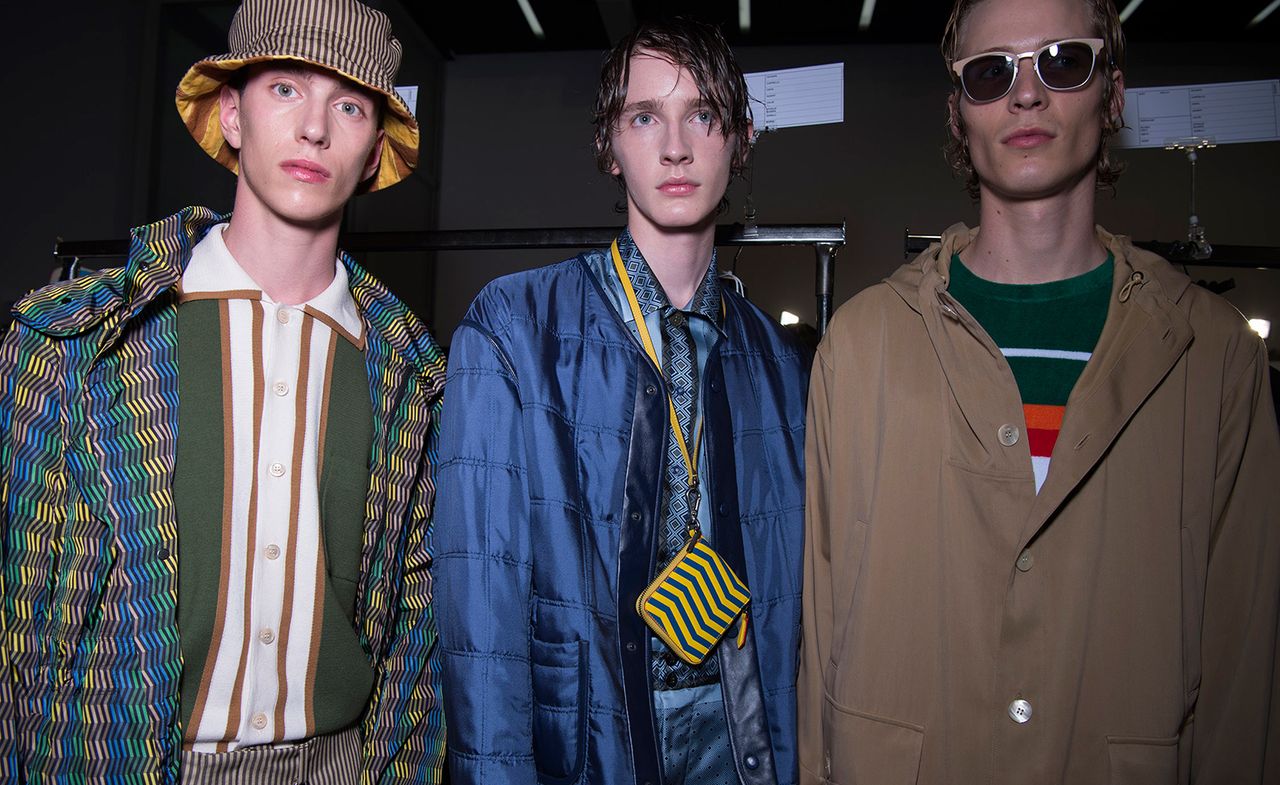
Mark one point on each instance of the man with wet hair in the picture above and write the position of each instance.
(1042, 539)
(632, 436)
(217, 460)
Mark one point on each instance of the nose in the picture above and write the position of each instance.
(676, 148)
(313, 122)
(1028, 91)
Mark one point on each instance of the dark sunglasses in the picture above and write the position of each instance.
(1061, 65)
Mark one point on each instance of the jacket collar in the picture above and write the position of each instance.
(213, 273)
(650, 295)
(109, 298)
(931, 270)
(159, 253)
(1145, 333)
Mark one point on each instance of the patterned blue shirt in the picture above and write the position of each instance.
(706, 322)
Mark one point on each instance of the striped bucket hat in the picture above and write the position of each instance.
(343, 36)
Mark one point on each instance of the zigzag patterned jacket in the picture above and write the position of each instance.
(88, 425)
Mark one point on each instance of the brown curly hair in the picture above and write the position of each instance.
(1106, 24)
(698, 48)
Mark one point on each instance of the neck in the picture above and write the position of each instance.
(679, 258)
(291, 262)
(1036, 240)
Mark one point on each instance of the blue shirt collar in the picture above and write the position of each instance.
(649, 293)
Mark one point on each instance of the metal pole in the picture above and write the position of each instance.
(1259, 257)
(508, 239)
(825, 279)
(826, 240)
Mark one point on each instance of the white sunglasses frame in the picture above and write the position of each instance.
(1095, 44)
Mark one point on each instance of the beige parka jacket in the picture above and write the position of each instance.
(1126, 615)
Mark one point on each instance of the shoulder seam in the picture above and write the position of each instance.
(492, 338)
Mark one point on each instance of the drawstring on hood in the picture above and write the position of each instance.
(1136, 279)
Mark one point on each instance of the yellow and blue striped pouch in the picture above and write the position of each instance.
(694, 601)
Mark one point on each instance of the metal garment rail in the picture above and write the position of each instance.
(826, 240)
(1261, 257)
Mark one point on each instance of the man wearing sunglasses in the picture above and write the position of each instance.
(1041, 528)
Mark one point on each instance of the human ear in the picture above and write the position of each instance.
(746, 145)
(954, 121)
(229, 115)
(1115, 112)
(375, 157)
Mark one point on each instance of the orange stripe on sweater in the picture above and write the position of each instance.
(1047, 418)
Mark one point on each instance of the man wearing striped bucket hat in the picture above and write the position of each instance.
(217, 479)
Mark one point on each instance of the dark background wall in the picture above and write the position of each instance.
(69, 145)
(94, 146)
(517, 152)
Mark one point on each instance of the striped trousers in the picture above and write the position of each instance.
(324, 760)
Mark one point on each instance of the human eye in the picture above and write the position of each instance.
(993, 68)
(350, 108)
(705, 117)
(283, 90)
(1062, 57)
(642, 119)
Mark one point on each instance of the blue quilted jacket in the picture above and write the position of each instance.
(552, 456)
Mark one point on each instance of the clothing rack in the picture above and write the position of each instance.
(826, 240)
(1261, 257)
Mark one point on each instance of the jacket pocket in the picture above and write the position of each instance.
(560, 697)
(862, 749)
(1142, 761)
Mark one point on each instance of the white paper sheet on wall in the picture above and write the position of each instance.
(409, 94)
(1221, 113)
(790, 97)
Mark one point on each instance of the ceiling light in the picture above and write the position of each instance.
(868, 8)
(1264, 13)
(529, 16)
(1129, 9)
(1260, 326)
(788, 318)
(744, 16)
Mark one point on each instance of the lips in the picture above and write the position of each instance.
(306, 171)
(1024, 138)
(678, 187)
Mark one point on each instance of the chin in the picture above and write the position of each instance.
(310, 214)
(1036, 183)
(676, 225)
(688, 219)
